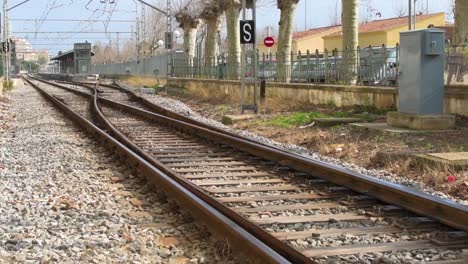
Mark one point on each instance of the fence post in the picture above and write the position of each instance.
(289, 66)
(337, 71)
(383, 73)
(358, 64)
(318, 70)
(326, 65)
(371, 64)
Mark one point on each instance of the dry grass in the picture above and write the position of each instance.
(143, 81)
(360, 148)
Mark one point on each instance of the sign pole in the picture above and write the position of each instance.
(255, 99)
(242, 70)
(247, 36)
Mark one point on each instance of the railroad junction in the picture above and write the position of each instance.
(253, 197)
(235, 146)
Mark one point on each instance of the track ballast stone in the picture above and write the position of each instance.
(65, 199)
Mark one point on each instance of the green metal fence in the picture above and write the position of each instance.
(368, 66)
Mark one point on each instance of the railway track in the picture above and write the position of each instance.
(303, 210)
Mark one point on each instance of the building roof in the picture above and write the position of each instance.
(63, 55)
(386, 24)
(69, 53)
(315, 31)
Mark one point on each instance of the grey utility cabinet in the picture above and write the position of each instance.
(421, 78)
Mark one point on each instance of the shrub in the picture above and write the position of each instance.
(7, 85)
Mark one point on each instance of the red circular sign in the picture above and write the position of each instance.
(269, 42)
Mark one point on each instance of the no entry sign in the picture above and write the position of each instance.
(269, 42)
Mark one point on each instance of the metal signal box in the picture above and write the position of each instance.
(82, 58)
(421, 78)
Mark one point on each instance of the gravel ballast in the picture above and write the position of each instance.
(65, 199)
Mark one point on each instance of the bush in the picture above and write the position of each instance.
(7, 85)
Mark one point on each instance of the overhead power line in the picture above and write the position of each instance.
(49, 44)
(64, 38)
(72, 32)
(72, 20)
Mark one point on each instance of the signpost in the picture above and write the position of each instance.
(247, 31)
(248, 37)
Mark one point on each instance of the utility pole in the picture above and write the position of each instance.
(305, 15)
(6, 55)
(410, 14)
(170, 63)
(117, 45)
(6, 37)
(169, 28)
(143, 20)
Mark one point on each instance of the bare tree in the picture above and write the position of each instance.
(232, 9)
(399, 9)
(286, 24)
(212, 14)
(103, 53)
(187, 13)
(461, 21)
(156, 28)
(335, 19)
(350, 26)
(371, 11)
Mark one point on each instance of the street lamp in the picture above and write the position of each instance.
(160, 43)
(177, 35)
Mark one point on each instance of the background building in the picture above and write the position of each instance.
(374, 33)
(385, 31)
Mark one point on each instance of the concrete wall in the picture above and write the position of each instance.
(456, 100)
(456, 97)
(152, 66)
(380, 97)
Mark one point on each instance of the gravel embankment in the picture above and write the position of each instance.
(181, 108)
(65, 199)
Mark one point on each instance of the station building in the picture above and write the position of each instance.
(76, 61)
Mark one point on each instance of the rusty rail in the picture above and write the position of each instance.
(217, 222)
(447, 212)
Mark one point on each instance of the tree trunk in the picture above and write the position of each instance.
(461, 21)
(350, 26)
(233, 39)
(288, 9)
(190, 36)
(211, 44)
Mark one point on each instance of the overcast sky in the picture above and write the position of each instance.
(310, 14)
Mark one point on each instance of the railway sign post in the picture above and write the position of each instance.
(269, 42)
(248, 55)
(247, 28)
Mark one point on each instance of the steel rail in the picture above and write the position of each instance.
(161, 110)
(445, 211)
(221, 225)
(440, 209)
(279, 246)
